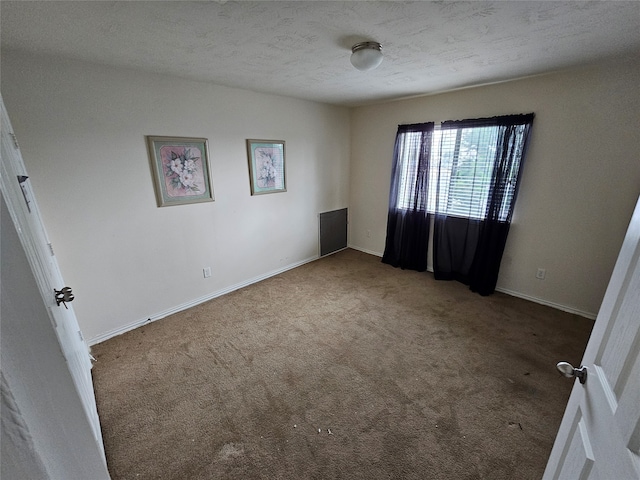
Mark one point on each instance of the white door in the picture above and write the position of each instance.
(599, 437)
(22, 206)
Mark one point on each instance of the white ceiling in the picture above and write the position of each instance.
(302, 48)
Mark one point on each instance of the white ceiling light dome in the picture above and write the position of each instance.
(366, 55)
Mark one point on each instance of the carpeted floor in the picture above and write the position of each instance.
(343, 368)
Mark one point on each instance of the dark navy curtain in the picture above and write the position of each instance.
(408, 220)
(470, 249)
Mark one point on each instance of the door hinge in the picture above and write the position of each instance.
(51, 249)
(15, 140)
(21, 180)
(80, 335)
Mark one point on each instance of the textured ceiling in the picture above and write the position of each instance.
(302, 48)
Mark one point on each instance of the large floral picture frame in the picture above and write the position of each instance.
(266, 166)
(180, 169)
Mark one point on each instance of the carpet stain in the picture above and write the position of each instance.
(230, 451)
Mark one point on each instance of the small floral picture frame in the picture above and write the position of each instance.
(266, 166)
(180, 168)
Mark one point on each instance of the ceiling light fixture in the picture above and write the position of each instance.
(366, 55)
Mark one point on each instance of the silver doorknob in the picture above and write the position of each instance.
(566, 369)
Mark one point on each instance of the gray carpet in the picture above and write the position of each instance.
(405, 377)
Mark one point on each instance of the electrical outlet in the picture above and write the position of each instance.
(541, 273)
(206, 272)
(368, 233)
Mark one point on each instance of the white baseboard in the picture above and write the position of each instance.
(558, 306)
(364, 250)
(197, 301)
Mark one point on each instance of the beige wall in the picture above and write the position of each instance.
(81, 128)
(579, 186)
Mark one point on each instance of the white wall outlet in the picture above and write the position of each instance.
(541, 273)
(206, 271)
(368, 233)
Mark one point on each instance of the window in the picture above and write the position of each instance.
(461, 177)
(460, 170)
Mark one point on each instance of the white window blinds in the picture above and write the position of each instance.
(460, 171)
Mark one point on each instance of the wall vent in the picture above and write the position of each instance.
(333, 231)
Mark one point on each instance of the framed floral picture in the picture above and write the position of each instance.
(266, 166)
(180, 168)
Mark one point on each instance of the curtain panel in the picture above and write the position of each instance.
(466, 175)
(408, 219)
(470, 249)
